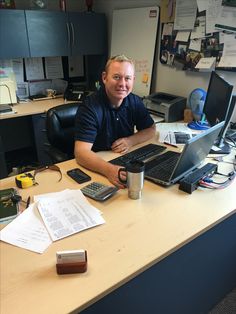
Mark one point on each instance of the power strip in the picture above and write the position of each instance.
(190, 183)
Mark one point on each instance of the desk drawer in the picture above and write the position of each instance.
(41, 140)
(16, 133)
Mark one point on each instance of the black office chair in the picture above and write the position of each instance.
(60, 125)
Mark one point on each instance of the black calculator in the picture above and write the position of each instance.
(99, 191)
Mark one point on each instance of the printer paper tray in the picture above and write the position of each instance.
(156, 113)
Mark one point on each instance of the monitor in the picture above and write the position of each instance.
(219, 107)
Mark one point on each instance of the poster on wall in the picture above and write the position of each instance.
(210, 44)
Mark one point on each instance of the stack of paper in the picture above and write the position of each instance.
(175, 133)
(52, 217)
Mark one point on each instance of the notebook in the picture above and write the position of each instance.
(170, 167)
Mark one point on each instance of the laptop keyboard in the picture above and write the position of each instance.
(162, 166)
(141, 154)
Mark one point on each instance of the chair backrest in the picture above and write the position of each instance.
(60, 125)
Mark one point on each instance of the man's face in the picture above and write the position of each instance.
(118, 81)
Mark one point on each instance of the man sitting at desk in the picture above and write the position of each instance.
(107, 118)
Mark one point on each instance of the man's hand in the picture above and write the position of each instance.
(122, 145)
(90, 160)
(112, 176)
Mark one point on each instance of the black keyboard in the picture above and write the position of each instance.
(162, 166)
(142, 154)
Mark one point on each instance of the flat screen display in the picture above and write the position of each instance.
(217, 100)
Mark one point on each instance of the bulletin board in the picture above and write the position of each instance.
(134, 33)
(186, 55)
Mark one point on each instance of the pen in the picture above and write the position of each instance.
(171, 145)
(28, 202)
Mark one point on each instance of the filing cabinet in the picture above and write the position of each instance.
(41, 140)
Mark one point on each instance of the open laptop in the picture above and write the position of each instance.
(170, 167)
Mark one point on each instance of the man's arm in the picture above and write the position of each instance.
(122, 145)
(90, 160)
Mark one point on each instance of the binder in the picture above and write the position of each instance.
(8, 207)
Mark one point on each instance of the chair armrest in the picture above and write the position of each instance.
(55, 154)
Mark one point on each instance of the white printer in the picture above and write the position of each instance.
(170, 107)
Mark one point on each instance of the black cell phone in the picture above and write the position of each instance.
(78, 175)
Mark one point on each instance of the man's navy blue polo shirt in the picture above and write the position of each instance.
(98, 123)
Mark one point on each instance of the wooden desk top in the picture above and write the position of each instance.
(33, 107)
(137, 234)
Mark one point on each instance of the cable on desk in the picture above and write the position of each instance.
(230, 139)
(209, 183)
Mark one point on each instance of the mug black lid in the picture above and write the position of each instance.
(135, 166)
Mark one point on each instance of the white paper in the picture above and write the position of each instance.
(185, 14)
(222, 37)
(212, 14)
(229, 45)
(195, 44)
(34, 69)
(53, 67)
(167, 29)
(199, 30)
(156, 118)
(175, 138)
(164, 129)
(68, 213)
(173, 127)
(227, 61)
(27, 231)
(202, 5)
(64, 193)
(182, 36)
(7, 76)
(227, 18)
(206, 63)
(18, 69)
(22, 90)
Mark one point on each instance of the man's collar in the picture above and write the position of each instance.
(108, 103)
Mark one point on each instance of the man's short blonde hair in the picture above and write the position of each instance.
(119, 58)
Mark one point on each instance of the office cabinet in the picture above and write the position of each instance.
(3, 166)
(88, 33)
(41, 139)
(48, 33)
(65, 34)
(13, 34)
(32, 33)
(17, 145)
(23, 147)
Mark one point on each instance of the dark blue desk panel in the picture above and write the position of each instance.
(189, 281)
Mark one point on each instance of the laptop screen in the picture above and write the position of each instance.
(196, 150)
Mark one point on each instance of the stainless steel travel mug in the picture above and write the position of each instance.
(134, 178)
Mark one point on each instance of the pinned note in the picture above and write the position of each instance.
(145, 78)
(206, 64)
(227, 62)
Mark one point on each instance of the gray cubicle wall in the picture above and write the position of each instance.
(134, 33)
